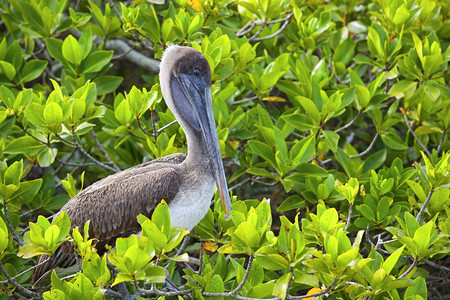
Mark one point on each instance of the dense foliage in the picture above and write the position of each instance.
(336, 111)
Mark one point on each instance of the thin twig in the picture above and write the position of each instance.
(439, 148)
(325, 291)
(291, 280)
(71, 164)
(435, 265)
(414, 135)
(103, 151)
(68, 277)
(165, 126)
(252, 98)
(419, 215)
(23, 215)
(264, 183)
(349, 218)
(200, 258)
(155, 291)
(56, 171)
(250, 25)
(135, 135)
(234, 292)
(18, 286)
(27, 132)
(372, 143)
(27, 270)
(14, 232)
(153, 117)
(253, 37)
(276, 32)
(349, 123)
(240, 184)
(376, 247)
(120, 56)
(246, 29)
(64, 140)
(88, 155)
(413, 265)
(183, 245)
(387, 242)
(143, 129)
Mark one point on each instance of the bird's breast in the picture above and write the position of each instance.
(192, 202)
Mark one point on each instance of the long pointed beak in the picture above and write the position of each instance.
(210, 134)
(215, 154)
(202, 118)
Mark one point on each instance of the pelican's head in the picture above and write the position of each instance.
(185, 79)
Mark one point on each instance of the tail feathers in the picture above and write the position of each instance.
(46, 264)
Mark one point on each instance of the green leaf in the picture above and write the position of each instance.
(51, 235)
(422, 238)
(155, 274)
(121, 277)
(96, 61)
(215, 285)
(3, 236)
(35, 114)
(150, 230)
(345, 51)
(53, 113)
(367, 211)
(86, 42)
(64, 225)
(332, 139)
(47, 155)
(72, 51)
(349, 190)
(7, 97)
(393, 141)
(329, 220)
(13, 174)
(246, 236)
(32, 70)
(24, 145)
(310, 108)
(27, 191)
(123, 113)
(77, 109)
(332, 246)
(398, 284)
(419, 289)
(161, 218)
(54, 47)
(262, 150)
(374, 161)
(281, 145)
(390, 262)
(82, 288)
(107, 84)
(302, 151)
(281, 286)
(14, 55)
(403, 88)
(363, 96)
(7, 69)
(272, 262)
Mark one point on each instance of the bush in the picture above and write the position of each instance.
(337, 111)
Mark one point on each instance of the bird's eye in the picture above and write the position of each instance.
(196, 73)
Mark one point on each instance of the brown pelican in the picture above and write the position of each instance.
(185, 182)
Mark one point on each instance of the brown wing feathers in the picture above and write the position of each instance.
(112, 205)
